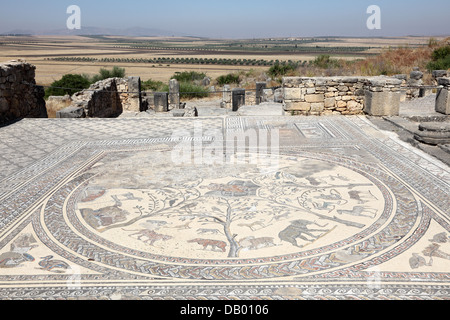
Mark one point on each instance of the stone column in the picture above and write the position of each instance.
(238, 98)
(415, 82)
(443, 96)
(433, 133)
(174, 94)
(161, 101)
(260, 87)
(135, 98)
(226, 97)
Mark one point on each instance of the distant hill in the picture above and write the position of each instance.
(96, 31)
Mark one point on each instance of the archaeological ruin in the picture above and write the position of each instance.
(321, 188)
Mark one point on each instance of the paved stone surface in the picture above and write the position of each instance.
(167, 208)
(263, 109)
(420, 107)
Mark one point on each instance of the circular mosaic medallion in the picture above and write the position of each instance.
(275, 216)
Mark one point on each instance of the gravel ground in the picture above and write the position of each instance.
(422, 106)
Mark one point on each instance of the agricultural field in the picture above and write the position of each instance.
(159, 58)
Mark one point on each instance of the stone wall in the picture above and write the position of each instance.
(105, 99)
(334, 95)
(19, 95)
(130, 93)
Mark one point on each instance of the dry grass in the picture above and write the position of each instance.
(390, 61)
(398, 61)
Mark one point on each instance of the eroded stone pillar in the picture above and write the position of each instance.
(135, 98)
(161, 101)
(226, 97)
(260, 87)
(238, 98)
(174, 94)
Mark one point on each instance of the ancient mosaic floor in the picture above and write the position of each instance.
(328, 208)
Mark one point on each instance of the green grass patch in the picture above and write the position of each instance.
(230, 78)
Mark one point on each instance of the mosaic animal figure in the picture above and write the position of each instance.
(254, 226)
(299, 229)
(184, 226)
(214, 245)
(440, 238)
(252, 243)
(232, 189)
(433, 251)
(321, 199)
(333, 195)
(280, 216)
(151, 236)
(360, 196)
(24, 242)
(14, 259)
(93, 196)
(209, 231)
(153, 224)
(49, 264)
(360, 211)
(313, 181)
(417, 261)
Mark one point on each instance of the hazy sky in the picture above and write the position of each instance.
(236, 18)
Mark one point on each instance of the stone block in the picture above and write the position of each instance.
(190, 112)
(135, 97)
(238, 98)
(313, 98)
(353, 105)
(444, 82)
(206, 81)
(292, 93)
(161, 102)
(4, 105)
(317, 107)
(416, 75)
(291, 82)
(278, 95)
(382, 103)
(71, 112)
(350, 80)
(439, 74)
(341, 104)
(260, 87)
(56, 103)
(12, 78)
(330, 102)
(178, 113)
(297, 106)
(443, 100)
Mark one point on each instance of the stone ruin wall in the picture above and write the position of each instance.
(411, 86)
(19, 95)
(21, 98)
(104, 99)
(335, 95)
